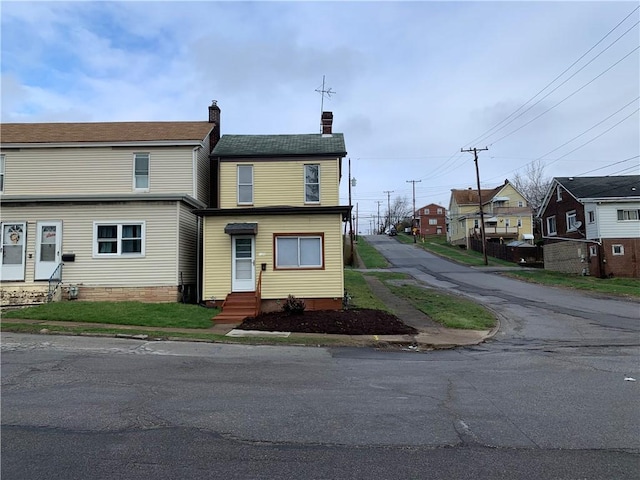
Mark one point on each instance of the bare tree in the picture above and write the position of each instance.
(400, 210)
(533, 184)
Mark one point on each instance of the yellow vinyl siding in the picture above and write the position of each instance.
(279, 182)
(95, 170)
(275, 283)
(157, 267)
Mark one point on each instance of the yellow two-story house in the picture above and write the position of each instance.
(274, 226)
(507, 216)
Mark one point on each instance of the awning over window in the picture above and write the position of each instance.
(241, 228)
(527, 236)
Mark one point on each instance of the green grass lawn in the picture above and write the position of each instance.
(370, 256)
(609, 286)
(176, 315)
(361, 295)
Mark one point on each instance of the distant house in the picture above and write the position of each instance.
(591, 225)
(103, 211)
(274, 226)
(507, 217)
(432, 220)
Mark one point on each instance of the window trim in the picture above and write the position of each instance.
(319, 235)
(304, 173)
(568, 216)
(622, 212)
(555, 226)
(593, 251)
(135, 187)
(238, 184)
(433, 221)
(119, 225)
(591, 215)
(558, 193)
(613, 249)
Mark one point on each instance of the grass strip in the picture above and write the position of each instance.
(448, 310)
(176, 315)
(360, 293)
(371, 257)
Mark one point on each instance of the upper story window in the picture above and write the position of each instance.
(520, 203)
(118, 239)
(551, 226)
(439, 211)
(245, 184)
(141, 171)
(519, 222)
(507, 222)
(433, 221)
(571, 221)
(629, 214)
(592, 216)
(558, 193)
(1, 173)
(312, 183)
(426, 211)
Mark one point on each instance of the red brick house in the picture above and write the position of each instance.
(432, 220)
(591, 226)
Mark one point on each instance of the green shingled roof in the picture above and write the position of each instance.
(280, 145)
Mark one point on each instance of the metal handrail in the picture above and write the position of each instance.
(56, 277)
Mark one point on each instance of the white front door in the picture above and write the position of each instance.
(243, 267)
(13, 239)
(48, 249)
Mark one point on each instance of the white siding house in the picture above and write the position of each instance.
(103, 209)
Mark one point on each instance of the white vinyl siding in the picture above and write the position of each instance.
(118, 238)
(187, 248)
(158, 267)
(99, 170)
(2, 161)
(606, 223)
(203, 169)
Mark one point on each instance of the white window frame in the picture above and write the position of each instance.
(244, 184)
(136, 175)
(519, 223)
(439, 211)
(629, 215)
(2, 163)
(550, 220)
(591, 215)
(433, 221)
(558, 193)
(593, 251)
(299, 266)
(306, 197)
(476, 223)
(619, 248)
(426, 211)
(507, 222)
(119, 224)
(572, 218)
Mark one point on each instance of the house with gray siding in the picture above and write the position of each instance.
(103, 211)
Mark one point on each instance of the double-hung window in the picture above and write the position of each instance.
(624, 215)
(299, 251)
(312, 183)
(551, 226)
(1, 173)
(118, 239)
(245, 184)
(141, 171)
(571, 221)
(433, 221)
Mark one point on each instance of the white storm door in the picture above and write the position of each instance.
(243, 268)
(13, 251)
(48, 249)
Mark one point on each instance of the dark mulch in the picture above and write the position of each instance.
(362, 321)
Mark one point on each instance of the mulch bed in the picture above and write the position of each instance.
(362, 321)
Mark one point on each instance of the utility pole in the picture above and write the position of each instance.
(378, 225)
(389, 192)
(482, 234)
(350, 215)
(413, 217)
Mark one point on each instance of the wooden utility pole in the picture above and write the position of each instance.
(413, 217)
(388, 192)
(482, 235)
(350, 216)
(378, 225)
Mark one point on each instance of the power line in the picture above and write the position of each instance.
(611, 165)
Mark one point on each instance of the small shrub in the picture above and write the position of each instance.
(293, 306)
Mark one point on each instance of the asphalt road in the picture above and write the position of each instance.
(523, 406)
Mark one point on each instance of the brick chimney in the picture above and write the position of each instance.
(214, 117)
(327, 122)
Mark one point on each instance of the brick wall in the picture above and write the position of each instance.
(627, 265)
(120, 294)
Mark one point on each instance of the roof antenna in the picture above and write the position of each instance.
(323, 92)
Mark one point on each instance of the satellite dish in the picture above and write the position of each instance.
(578, 224)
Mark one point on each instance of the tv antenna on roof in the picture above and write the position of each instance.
(324, 92)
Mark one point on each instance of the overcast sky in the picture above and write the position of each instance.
(413, 82)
